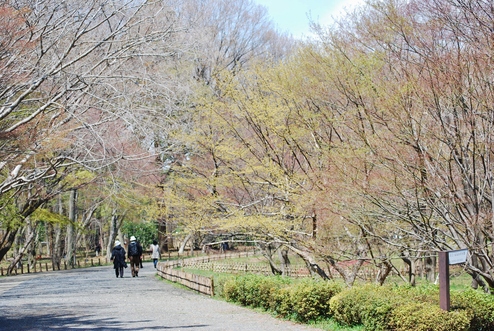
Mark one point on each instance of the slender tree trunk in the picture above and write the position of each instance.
(30, 235)
(385, 268)
(116, 222)
(430, 268)
(285, 261)
(182, 245)
(71, 235)
(267, 252)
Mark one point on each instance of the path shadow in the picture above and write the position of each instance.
(62, 323)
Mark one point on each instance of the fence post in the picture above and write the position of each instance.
(28, 268)
(40, 267)
(46, 266)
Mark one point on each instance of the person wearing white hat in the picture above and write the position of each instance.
(118, 258)
(134, 255)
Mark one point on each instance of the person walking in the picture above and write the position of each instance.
(118, 258)
(155, 252)
(134, 255)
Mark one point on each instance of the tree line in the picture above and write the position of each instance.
(370, 142)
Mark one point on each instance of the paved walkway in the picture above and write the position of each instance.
(93, 299)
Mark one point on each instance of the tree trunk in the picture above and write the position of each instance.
(182, 245)
(31, 233)
(114, 226)
(385, 268)
(310, 262)
(285, 261)
(267, 252)
(71, 236)
(430, 268)
(163, 236)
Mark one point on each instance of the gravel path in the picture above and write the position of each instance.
(93, 299)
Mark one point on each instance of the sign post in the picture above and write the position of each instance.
(445, 260)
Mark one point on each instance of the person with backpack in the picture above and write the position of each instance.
(118, 258)
(134, 254)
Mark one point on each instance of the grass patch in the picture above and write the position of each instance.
(331, 325)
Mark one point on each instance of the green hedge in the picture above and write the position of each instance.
(478, 306)
(376, 308)
(419, 316)
(303, 301)
(368, 305)
(403, 308)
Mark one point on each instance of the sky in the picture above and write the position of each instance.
(291, 15)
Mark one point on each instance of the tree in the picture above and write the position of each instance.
(66, 79)
(415, 102)
(227, 37)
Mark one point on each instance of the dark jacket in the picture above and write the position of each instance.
(118, 257)
(139, 249)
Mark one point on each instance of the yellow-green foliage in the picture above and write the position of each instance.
(305, 300)
(376, 308)
(45, 215)
(310, 299)
(412, 308)
(478, 306)
(369, 305)
(10, 217)
(420, 316)
(78, 178)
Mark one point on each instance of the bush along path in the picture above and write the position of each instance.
(376, 308)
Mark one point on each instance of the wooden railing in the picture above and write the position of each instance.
(201, 284)
(45, 266)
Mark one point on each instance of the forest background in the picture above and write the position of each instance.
(370, 143)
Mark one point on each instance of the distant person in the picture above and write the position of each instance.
(118, 258)
(98, 249)
(134, 254)
(155, 252)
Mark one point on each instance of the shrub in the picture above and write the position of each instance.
(310, 299)
(419, 316)
(282, 303)
(368, 305)
(253, 290)
(303, 301)
(247, 291)
(478, 306)
(346, 307)
(230, 290)
(267, 287)
(219, 284)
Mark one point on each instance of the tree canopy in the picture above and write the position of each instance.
(371, 142)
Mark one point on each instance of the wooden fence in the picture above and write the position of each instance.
(206, 285)
(46, 264)
(201, 284)
(40, 266)
(198, 283)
